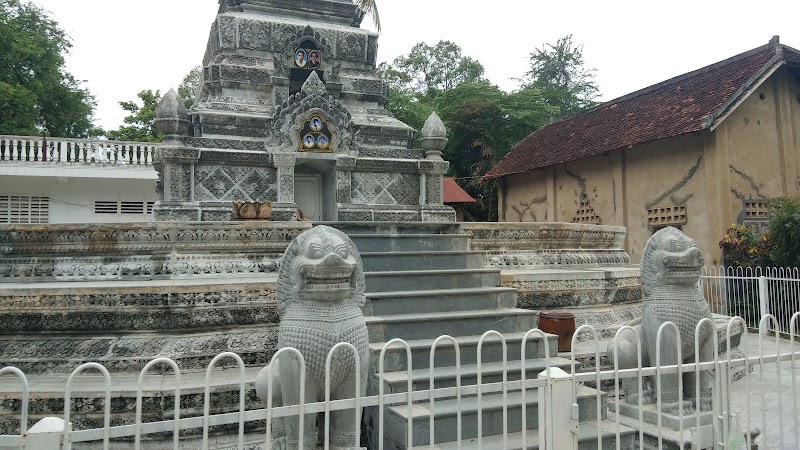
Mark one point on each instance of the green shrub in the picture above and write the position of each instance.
(784, 232)
(744, 246)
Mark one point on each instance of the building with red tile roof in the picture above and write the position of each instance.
(699, 151)
(455, 196)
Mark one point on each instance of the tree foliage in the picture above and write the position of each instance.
(190, 85)
(427, 70)
(36, 91)
(778, 246)
(784, 231)
(369, 7)
(483, 122)
(558, 71)
(139, 125)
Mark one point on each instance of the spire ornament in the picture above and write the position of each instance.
(433, 137)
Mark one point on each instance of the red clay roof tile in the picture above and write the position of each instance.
(681, 105)
(452, 192)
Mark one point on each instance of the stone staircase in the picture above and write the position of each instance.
(423, 281)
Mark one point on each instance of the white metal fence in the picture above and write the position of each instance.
(33, 149)
(752, 293)
(765, 396)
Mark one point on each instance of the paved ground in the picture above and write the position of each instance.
(770, 406)
(773, 395)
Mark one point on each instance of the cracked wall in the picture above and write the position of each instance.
(752, 155)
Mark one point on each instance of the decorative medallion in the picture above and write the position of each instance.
(307, 58)
(315, 136)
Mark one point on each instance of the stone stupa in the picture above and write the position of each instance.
(290, 111)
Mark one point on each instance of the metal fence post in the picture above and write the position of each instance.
(47, 434)
(763, 298)
(558, 415)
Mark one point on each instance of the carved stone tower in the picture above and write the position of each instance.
(290, 111)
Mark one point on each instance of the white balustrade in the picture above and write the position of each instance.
(51, 150)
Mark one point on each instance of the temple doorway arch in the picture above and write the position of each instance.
(315, 186)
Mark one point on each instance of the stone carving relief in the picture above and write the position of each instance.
(321, 289)
(385, 188)
(433, 190)
(313, 99)
(670, 269)
(227, 32)
(228, 183)
(225, 144)
(179, 177)
(351, 47)
(254, 35)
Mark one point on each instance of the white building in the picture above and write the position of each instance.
(75, 181)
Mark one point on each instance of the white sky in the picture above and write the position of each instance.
(121, 47)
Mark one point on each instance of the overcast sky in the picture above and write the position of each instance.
(121, 47)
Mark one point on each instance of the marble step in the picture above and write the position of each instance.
(403, 261)
(446, 376)
(587, 439)
(395, 356)
(444, 300)
(432, 279)
(445, 413)
(461, 323)
(410, 242)
(393, 228)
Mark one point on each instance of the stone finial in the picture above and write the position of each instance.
(172, 118)
(433, 137)
(313, 85)
(171, 105)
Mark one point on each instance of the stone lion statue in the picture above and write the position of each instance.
(670, 269)
(320, 295)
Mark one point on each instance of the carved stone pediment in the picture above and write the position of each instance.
(293, 115)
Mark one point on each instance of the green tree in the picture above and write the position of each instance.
(483, 123)
(427, 70)
(139, 125)
(190, 85)
(558, 72)
(784, 231)
(36, 92)
(369, 7)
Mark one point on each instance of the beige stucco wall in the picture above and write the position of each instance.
(752, 155)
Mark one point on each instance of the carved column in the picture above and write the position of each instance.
(175, 163)
(285, 163)
(433, 172)
(344, 178)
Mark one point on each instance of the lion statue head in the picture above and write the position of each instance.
(669, 258)
(321, 265)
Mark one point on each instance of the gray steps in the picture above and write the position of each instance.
(445, 376)
(445, 412)
(442, 300)
(410, 242)
(587, 439)
(392, 228)
(432, 279)
(403, 261)
(395, 356)
(462, 323)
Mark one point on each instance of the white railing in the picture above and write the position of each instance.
(33, 149)
(765, 397)
(753, 293)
